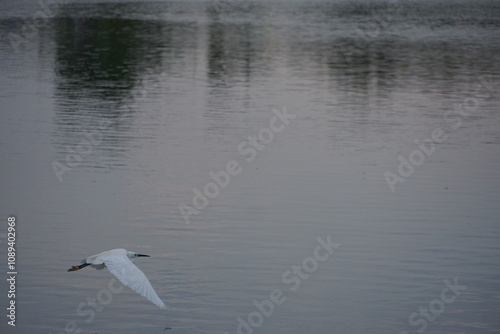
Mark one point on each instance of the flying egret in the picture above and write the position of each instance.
(118, 261)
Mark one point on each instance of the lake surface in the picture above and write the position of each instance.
(223, 138)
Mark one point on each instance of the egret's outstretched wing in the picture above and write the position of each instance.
(133, 277)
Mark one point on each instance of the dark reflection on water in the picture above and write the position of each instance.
(142, 100)
(104, 51)
(99, 62)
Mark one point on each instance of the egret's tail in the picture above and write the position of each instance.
(78, 267)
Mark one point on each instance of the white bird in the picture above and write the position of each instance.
(118, 261)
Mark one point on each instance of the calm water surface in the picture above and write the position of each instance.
(114, 115)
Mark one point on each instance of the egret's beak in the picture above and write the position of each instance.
(143, 255)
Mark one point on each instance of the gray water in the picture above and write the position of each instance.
(115, 115)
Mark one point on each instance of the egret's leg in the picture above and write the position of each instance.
(79, 267)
